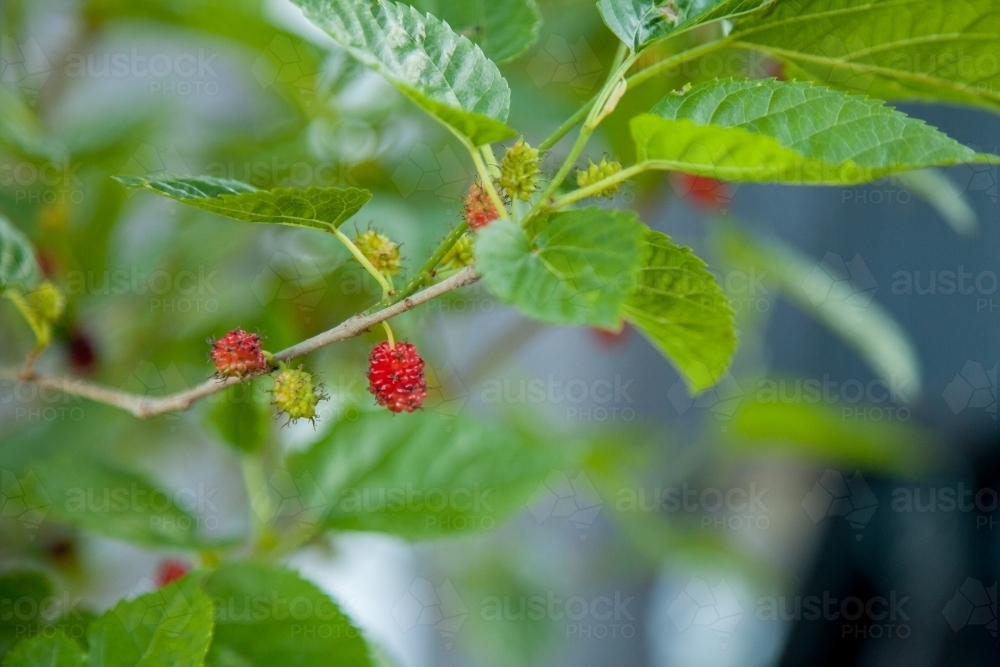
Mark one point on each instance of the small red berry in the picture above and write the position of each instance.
(169, 571)
(238, 354)
(479, 208)
(396, 377)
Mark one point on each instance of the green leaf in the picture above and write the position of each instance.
(41, 308)
(442, 72)
(837, 301)
(315, 207)
(893, 49)
(97, 497)
(421, 475)
(268, 616)
(170, 627)
(19, 271)
(240, 420)
(765, 427)
(576, 269)
(46, 651)
(640, 22)
(950, 201)
(23, 594)
(680, 308)
(21, 130)
(503, 29)
(769, 131)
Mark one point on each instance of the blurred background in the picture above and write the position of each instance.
(832, 501)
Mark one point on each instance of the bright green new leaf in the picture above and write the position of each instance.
(34, 588)
(97, 497)
(21, 130)
(315, 207)
(678, 305)
(421, 475)
(46, 651)
(576, 269)
(838, 294)
(41, 308)
(640, 22)
(503, 29)
(298, 623)
(442, 72)
(19, 271)
(893, 49)
(170, 627)
(769, 131)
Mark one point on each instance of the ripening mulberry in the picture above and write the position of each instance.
(479, 208)
(239, 354)
(296, 394)
(598, 172)
(380, 250)
(396, 377)
(519, 171)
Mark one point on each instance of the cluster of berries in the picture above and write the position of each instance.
(395, 370)
(395, 375)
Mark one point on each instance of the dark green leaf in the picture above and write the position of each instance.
(268, 616)
(680, 307)
(772, 131)
(442, 72)
(46, 651)
(170, 627)
(421, 475)
(576, 269)
(23, 594)
(503, 29)
(315, 207)
(106, 500)
(893, 49)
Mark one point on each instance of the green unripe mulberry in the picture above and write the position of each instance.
(380, 250)
(460, 254)
(598, 172)
(296, 394)
(519, 171)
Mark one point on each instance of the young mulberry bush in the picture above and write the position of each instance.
(396, 377)
(380, 250)
(479, 208)
(239, 354)
(595, 173)
(296, 395)
(519, 171)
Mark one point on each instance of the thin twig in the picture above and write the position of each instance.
(145, 406)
